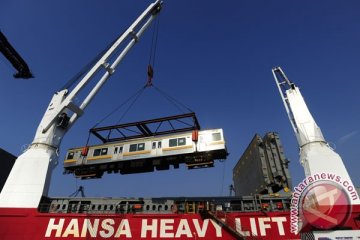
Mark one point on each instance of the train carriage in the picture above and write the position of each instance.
(197, 149)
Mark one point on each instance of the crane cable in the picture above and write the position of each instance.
(134, 96)
(173, 101)
(150, 73)
(151, 65)
(149, 83)
(152, 55)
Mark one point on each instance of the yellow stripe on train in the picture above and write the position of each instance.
(177, 148)
(70, 161)
(99, 157)
(136, 153)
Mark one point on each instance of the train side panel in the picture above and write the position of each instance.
(148, 153)
(211, 140)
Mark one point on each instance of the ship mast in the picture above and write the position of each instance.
(29, 178)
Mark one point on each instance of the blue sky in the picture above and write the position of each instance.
(213, 56)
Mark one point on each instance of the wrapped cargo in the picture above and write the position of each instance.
(263, 167)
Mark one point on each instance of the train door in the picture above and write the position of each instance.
(118, 153)
(156, 148)
(201, 144)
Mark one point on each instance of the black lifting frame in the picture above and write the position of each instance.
(147, 128)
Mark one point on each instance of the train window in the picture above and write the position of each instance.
(100, 151)
(97, 152)
(159, 144)
(70, 155)
(177, 142)
(153, 145)
(137, 147)
(141, 146)
(133, 148)
(181, 141)
(216, 136)
(173, 142)
(120, 149)
(115, 150)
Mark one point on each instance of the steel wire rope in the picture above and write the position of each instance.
(132, 103)
(76, 187)
(141, 90)
(154, 41)
(152, 54)
(223, 179)
(136, 95)
(151, 66)
(172, 100)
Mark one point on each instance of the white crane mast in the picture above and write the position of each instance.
(316, 156)
(30, 176)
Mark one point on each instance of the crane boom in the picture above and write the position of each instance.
(316, 156)
(30, 177)
(303, 123)
(14, 58)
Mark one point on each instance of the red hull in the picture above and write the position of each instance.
(30, 224)
(16, 224)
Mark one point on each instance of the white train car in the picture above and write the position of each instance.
(195, 148)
